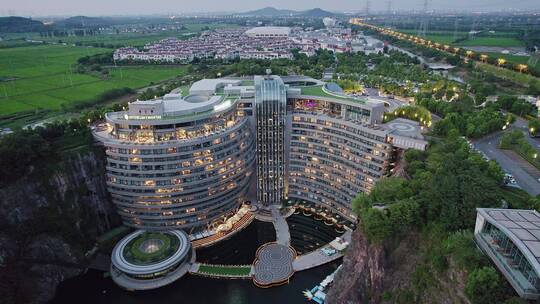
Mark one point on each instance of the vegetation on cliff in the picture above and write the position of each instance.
(54, 206)
(439, 201)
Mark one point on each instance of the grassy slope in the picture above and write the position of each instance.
(510, 75)
(513, 58)
(44, 78)
(516, 198)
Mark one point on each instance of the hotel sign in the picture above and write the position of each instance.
(142, 117)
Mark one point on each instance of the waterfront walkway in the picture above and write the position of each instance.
(219, 236)
(283, 235)
(317, 258)
(275, 262)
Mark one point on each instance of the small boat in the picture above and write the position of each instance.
(318, 293)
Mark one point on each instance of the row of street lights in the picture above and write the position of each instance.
(435, 45)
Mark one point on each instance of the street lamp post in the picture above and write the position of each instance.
(522, 67)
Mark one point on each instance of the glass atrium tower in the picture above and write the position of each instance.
(270, 115)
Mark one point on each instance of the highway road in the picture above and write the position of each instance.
(524, 173)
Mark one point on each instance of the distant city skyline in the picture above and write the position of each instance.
(124, 7)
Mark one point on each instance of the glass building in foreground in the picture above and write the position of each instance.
(189, 162)
(511, 239)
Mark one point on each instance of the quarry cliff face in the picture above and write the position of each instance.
(48, 223)
(384, 273)
(360, 279)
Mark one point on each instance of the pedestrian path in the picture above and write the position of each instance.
(318, 257)
(283, 235)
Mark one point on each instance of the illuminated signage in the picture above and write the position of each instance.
(139, 117)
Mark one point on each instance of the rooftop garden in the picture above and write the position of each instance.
(151, 247)
(318, 91)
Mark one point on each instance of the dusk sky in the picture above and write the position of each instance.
(130, 7)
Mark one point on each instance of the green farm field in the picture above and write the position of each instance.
(445, 37)
(43, 78)
(500, 39)
(117, 40)
(493, 41)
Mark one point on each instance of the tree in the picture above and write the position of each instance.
(534, 127)
(484, 286)
(375, 225)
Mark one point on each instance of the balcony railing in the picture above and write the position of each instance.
(515, 274)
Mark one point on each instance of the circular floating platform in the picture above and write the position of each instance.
(273, 265)
(147, 260)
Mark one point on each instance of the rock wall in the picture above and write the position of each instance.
(384, 273)
(48, 223)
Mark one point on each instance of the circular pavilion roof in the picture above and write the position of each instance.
(273, 265)
(145, 252)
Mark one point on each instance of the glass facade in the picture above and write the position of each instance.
(332, 158)
(518, 267)
(270, 115)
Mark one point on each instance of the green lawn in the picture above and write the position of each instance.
(133, 253)
(492, 41)
(318, 91)
(223, 270)
(42, 77)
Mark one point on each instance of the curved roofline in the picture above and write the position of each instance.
(519, 243)
(165, 119)
(123, 265)
(350, 102)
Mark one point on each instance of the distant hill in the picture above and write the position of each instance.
(82, 21)
(274, 12)
(20, 25)
(316, 12)
(269, 12)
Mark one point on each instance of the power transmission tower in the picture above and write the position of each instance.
(422, 30)
(388, 13)
(472, 33)
(456, 22)
(533, 60)
(367, 7)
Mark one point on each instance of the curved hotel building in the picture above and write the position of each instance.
(178, 162)
(189, 162)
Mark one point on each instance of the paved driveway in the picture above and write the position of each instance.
(524, 173)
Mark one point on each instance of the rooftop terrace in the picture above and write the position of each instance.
(319, 91)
